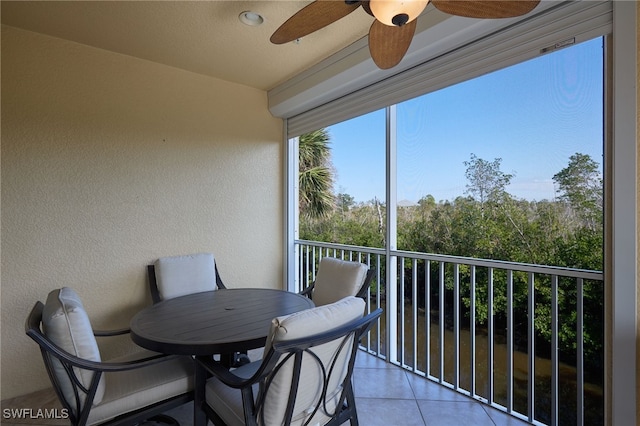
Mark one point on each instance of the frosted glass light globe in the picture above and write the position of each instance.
(397, 12)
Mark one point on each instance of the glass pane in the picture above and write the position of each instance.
(508, 166)
(467, 150)
(355, 163)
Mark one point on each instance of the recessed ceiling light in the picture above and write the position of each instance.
(251, 18)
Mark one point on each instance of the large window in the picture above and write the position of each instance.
(507, 166)
(558, 24)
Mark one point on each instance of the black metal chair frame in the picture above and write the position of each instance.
(79, 413)
(271, 364)
(362, 291)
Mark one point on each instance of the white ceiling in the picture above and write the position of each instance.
(205, 37)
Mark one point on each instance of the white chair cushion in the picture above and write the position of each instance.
(337, 279)
(181, 275)
(133, 389)
(227, 402)
(65, 323)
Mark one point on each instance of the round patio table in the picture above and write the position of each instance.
(214, 322)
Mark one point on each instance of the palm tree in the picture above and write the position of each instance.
(315, 175)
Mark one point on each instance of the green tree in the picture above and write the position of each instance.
(485, 179)
(345, 202)
(427, 202)
(316, 175)
(580, 185)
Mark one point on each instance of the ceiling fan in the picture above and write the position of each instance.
(395, 20)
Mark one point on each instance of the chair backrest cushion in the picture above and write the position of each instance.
(66, 323)
(181, 275)
(303, 324)
(337, 279)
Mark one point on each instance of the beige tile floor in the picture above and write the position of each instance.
(385, 396)
(390, 396)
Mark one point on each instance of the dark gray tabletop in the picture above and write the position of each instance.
(214, 322)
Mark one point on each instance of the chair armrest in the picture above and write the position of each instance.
(227, 376)
(75, 361)
(108, 333)
(223, 373)
(308, 292)
(362, 292)
(137, 363)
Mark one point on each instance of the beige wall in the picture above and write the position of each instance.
(109, 162)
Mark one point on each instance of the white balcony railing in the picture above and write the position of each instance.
(526, 358)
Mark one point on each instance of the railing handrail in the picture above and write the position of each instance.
(489, 263)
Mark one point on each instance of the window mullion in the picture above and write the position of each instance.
(391, 235)
(292, 221)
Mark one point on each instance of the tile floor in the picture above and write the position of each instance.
(389, 396)
(385, 396)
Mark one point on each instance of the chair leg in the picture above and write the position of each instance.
(199, 416)
(351, 402)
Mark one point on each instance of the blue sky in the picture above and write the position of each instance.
(533, 116)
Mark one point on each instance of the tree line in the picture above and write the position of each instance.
(485, 222)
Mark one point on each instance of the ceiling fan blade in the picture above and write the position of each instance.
(311, 18)
(388, 45)
(486, 9)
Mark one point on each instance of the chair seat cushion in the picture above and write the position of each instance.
(130, 390)
(181, 275)
(337, 279)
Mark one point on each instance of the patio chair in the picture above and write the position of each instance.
(337, 279)
(121, 391)
(175, 276)
(304, 377)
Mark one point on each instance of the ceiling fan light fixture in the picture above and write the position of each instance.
(396, 13)
(250, 18)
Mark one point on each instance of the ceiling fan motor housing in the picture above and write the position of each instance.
(400, 19)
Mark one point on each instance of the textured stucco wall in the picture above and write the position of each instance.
(109, 162)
